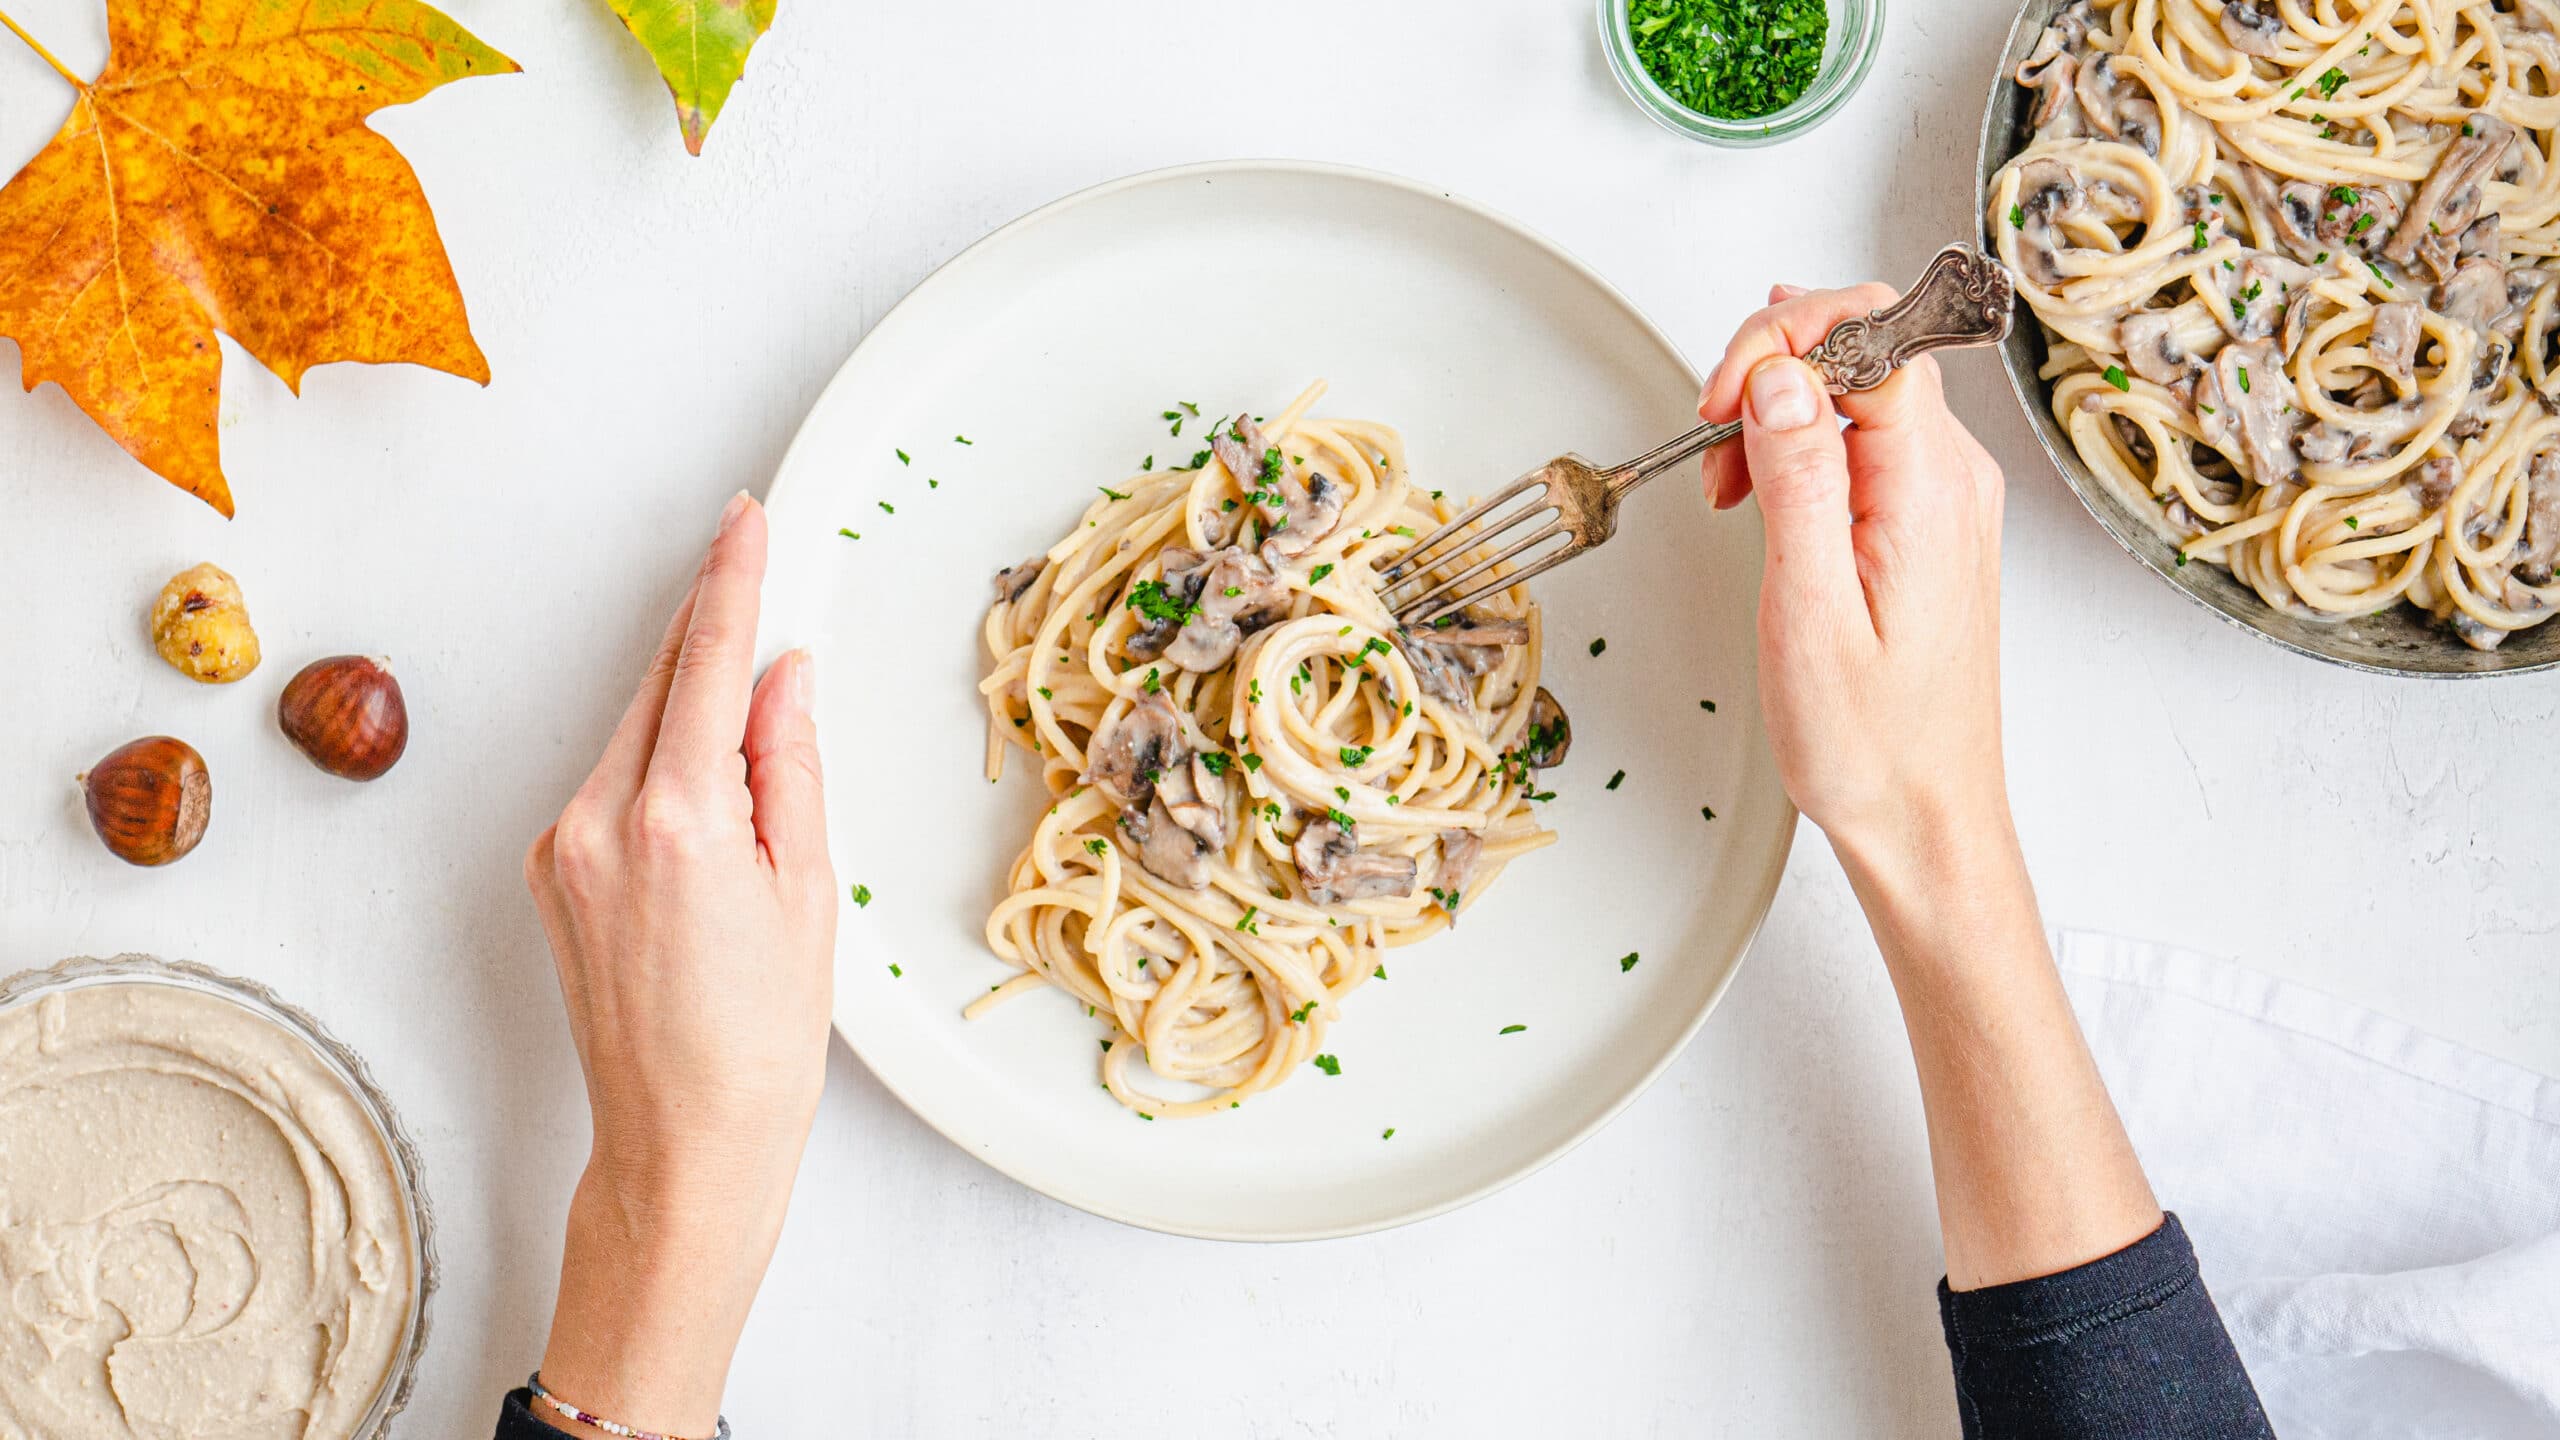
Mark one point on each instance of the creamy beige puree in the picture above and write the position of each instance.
(201, 1234)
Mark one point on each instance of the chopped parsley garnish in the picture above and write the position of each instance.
(1707, 705)
(1627, 964)
(1329, 1065)
(1319, 572)
(1299, 1015)
(2329, 81)
(1732, 59)
(1388, 1134)
(1189, 409)
(1253, 692)
(1044, 693)
(2244, 378)
(1106, 1047)
(1448, 898)
(2017, 217)
(964, 440)
(1707, 811)
(2115, 373)
(1615, 781)
(2364, 222)
(1097, 845)
(2351, 522)
(1513, 1029)
(1147, 464)
(1404, 530)
(1107, 490)
(897, 973)
(888, 508)
(1380, 972)
(903, 460)
(1599, 645)
(1246, 924)
(1152, 599)
(2200, 236)
(1252, 761)
(1216, 761)
(1172, 415)
(862, 895)
(2378, 275)
(1355, 756)
(1155, 685)
(850, 534)
(2182, 560)
(1200, 460)
(1339, 818)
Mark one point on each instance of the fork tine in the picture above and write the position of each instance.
(1540, 566)
(1546, 532)
(1411, 561)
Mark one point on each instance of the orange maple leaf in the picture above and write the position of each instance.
(219, 176)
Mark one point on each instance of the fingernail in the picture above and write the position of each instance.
(804, 681)
(737, 507)
(1788, 292)
(1781, 391)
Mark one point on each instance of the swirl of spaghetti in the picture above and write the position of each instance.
(2289, 257)
(1259, 781)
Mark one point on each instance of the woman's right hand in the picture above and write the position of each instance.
(1880, 605)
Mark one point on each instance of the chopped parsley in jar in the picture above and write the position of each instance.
(1730, 59)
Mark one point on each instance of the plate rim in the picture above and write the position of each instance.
(1763, 891)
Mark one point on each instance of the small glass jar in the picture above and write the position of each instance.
(1848, 50)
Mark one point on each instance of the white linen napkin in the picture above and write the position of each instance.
(2377, 1211)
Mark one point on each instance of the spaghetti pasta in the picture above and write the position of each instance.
(1260, 782)
(2291, 261)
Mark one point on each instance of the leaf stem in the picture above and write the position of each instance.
(43, 54)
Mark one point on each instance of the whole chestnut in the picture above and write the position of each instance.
(150, 800)
(346, 713)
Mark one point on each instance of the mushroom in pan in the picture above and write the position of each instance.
(2244, 407)
(1204, 606)
(1335, 869)
(2541, 552)
(2253, 27)
(2392, 344)
(2450, 198)
(2052, 66)
(2048, 192)
(2356, 217)
(1131, 750)
(2116, 104)
(2284, 215)
(2436, 481)
(2475, 294)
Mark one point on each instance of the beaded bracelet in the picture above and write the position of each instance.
(610, 1427)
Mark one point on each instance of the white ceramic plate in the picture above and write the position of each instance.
(1054, 345)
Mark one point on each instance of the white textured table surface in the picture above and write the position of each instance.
(1748, 1251)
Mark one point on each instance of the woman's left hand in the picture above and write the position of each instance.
(691, 910)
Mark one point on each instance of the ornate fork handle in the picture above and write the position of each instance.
(1964, 298)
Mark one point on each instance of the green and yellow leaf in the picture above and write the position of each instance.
(701, 48)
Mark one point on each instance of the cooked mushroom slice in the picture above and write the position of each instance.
(2473, 633)
(2052, 66)
(2116, 104)
(2436, 481)
(1183, 826)
(2450, 199)
(2393, 343)
(2356, 217)
(1460, 852)
(1235, 594)
(1335, 869)
(2541, 552)
(1132, 750)
(2245, 409)
(2151, 347)
(1311, 509)
(2282, 217)
(1012, 580)
(1548, 736)
(2253, 27)
(2473, 417)
(2257, 293)
(1446, 658)
(2047, 192)
(1165, 604)
(2297, 319)
(2475, 295)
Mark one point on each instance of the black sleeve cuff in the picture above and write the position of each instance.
(516, 1420)
(2127, 1345)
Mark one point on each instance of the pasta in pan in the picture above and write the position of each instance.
(1261, 782)
(2294, 263)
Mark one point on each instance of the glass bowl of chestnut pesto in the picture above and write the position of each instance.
(1740, 73)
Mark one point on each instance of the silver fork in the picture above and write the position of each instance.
(1962, 299)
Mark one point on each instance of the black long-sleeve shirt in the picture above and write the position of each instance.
(2124, 1348)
